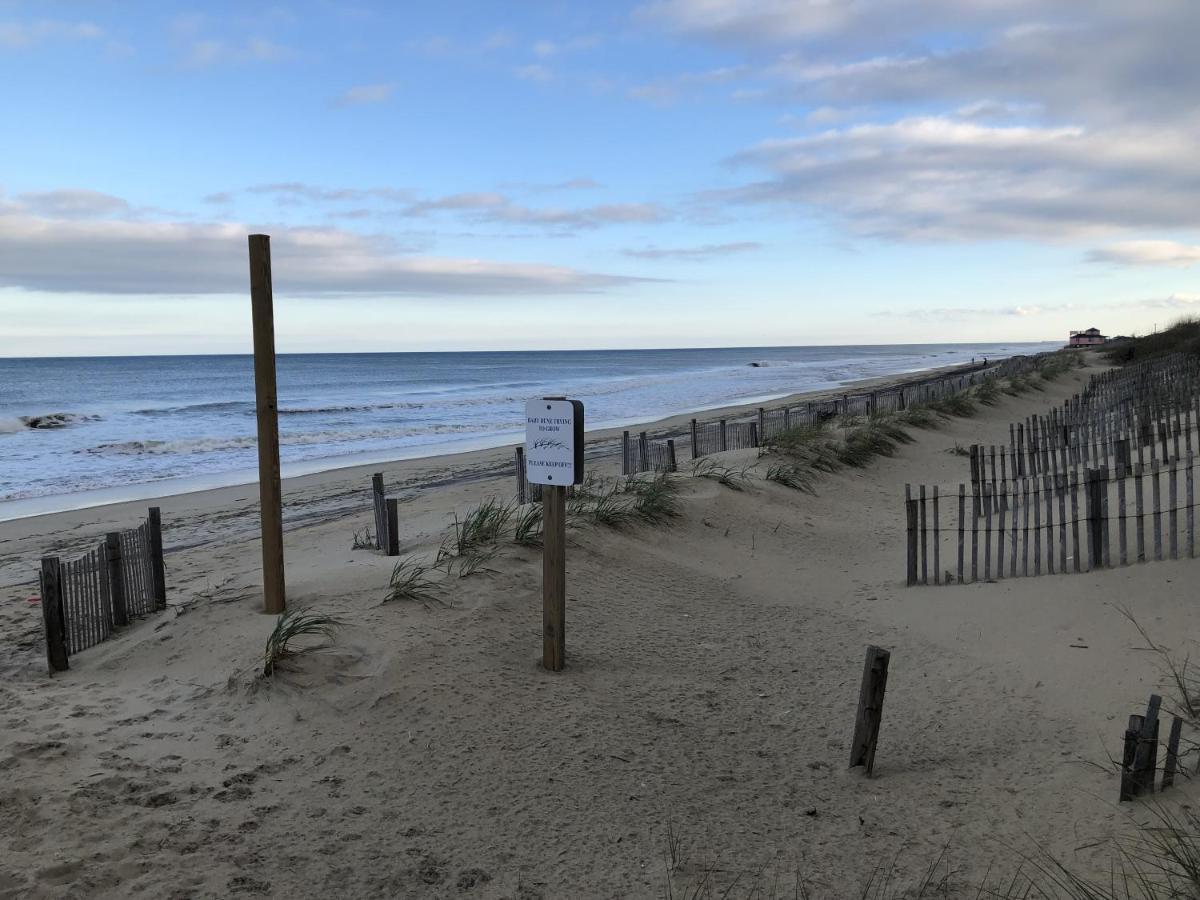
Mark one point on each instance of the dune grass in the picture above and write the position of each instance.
(481, 526)
(792, 476)
(290, 626)
(409, 582)
(734, 479)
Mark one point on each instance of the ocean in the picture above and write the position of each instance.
(88, 430)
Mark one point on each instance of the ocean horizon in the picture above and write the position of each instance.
(76, 431)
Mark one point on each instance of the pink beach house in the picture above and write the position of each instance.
(1090, 338)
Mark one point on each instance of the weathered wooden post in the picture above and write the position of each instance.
(672, 465)
(156, 558)
(393, 526)
(724, 442)
(378, 500)
(695, 449)
(554, 459)
(520, 460)
(116, 578)
(53, 615)
(270, 493)
(870, 709)
(1171, 762)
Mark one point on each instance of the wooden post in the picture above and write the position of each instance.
(924, 540)
(937, 540)
(910, 507)
(1143, 758)
(266, 402)
(695, 449)
(53, 615)
(762, 424)
(1129, 751)
(962, 521)
(1171, 763)
(116, 578)
(521, 484)
(393, 527)
(672, 465)
(377, 498)
(643, 453)
(626, 454)
(724, 442)
(156, 558)
(754, 433)
(554, 576)
(870, 709)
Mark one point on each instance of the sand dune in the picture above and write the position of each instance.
(709, 694)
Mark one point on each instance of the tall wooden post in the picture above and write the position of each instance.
(116, 578)
(269, 491)
(554, 576)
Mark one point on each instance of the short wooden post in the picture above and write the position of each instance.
(754, 433)
(53, 614)
(695, 448)
(1171, 762)
(1143, 759)
(762, 424)
(672, 465)
(554, 576)
(644, 453)
(393, 526)
(156, 558)
(626, 454)
(270, 493)
(1129, 752)
(724, 441)
(870, 709)
(116, 578)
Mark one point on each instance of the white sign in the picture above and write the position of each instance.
(554, 441)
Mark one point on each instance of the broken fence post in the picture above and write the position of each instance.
(870, 708)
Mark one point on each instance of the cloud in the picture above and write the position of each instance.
(127, 256)
(1147, 253)
(671, 88)
(291, 192)
(937, 177)
(534, 72)
(73, 204)
(570, 184)
(202, 52)
(19, 35)
(496, 208)
(694, 254)
(364, 94)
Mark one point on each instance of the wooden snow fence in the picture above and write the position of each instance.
(84, 600)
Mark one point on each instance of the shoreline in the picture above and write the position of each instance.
(27, 508)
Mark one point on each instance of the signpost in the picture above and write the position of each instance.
(554, 459)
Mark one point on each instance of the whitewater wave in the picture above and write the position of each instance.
(188, 446)
(44, 422)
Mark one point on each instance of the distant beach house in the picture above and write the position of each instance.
(1090, 338)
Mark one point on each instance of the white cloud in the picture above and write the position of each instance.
(693, 254)
(1147, 253)
(73, 204)
(363, 94)
(17, 35)
(128, 256)
(534, 72)
(943, 178)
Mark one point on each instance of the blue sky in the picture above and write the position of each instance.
(552, 174)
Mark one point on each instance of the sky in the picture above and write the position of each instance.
(655, 173)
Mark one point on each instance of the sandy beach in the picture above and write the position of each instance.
(697, 737)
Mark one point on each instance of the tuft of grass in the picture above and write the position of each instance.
(988, 392)
(792, 476)
(475, 561)
(527, 526)
(918, 417)
(959, 405)
(482, 525)
(363, 540)
(293, 624)
(1183, 677)
(408, 582)
(878, 437)
(654, 499)
(734, 479)
(610, 508)
(959, 450)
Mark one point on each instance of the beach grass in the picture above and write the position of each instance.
(409, 582)
(289, 627)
